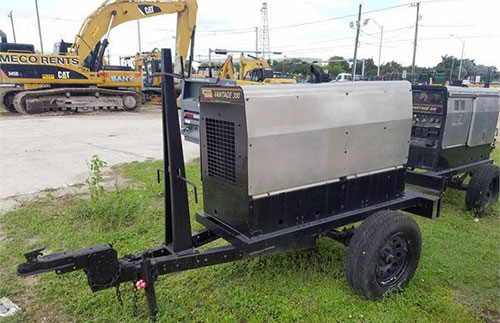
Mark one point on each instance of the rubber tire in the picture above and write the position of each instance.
(366, 243)
(479, 184)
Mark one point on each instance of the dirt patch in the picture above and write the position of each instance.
(490, 316)
(3, 238)
(8, 204)
(110, 180)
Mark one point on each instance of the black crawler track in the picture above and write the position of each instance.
(76, 100)
(5, 100)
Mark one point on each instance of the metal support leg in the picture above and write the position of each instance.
(149, 277)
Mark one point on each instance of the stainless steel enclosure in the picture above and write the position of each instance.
(472, 117)
(300, 135)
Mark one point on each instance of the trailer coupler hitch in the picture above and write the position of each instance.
(101, 265)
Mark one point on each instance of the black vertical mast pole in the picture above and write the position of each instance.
(177, 220)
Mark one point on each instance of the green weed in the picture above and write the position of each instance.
(457, 279)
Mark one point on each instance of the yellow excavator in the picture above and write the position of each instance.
(152, 81)
(75, 76)
(252, 71)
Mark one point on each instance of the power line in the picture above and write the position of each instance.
(251, 29)
(228, 30)
(26, 14)
(238, 31)
(245, 30)
(408, 40)
(367, 34)
(345, 38)
(446, 26)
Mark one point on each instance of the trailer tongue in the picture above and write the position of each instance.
(273, 184)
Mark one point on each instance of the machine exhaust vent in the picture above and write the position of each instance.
(220, 150)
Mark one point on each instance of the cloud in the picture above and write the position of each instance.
(474, 21)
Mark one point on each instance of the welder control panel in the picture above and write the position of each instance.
(428, 119)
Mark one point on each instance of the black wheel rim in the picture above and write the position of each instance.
(491, 194)
(393, 260)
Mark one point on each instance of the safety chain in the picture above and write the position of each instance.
(119, 295)
(94, 286)
(134, 300)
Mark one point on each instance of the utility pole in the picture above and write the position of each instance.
(256, 39)
(39, 28)
(462, 56)
(380, 49)
(12, 23)
(358, 25)
(210, 58)
(461, 59)
(381, 39)
(452, 66)
(139, 35)
(415, 42)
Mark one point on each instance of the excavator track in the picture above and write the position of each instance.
(76, 100)
(7, 98)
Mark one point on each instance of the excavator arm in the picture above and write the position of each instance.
(227, 70)
(111, 14)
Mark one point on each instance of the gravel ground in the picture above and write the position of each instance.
(41, 152)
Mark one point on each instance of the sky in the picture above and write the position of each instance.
(298, 28)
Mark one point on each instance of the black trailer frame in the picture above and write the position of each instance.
(179, 251)
(439, 181)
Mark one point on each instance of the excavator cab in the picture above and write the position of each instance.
(152, 67)
(62, 48)
(259, 74)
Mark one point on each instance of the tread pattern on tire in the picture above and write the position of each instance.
(478, 184)
(367, 241)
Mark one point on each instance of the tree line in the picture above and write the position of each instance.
(449, 66)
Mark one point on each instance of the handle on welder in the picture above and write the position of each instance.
(195, 189)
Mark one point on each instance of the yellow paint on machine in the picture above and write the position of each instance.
(34, 70)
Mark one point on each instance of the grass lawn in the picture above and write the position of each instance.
(457, 279)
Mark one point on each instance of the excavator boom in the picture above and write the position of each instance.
(111, 14)
(76, 77)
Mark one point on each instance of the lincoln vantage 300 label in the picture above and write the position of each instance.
(228, 95)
